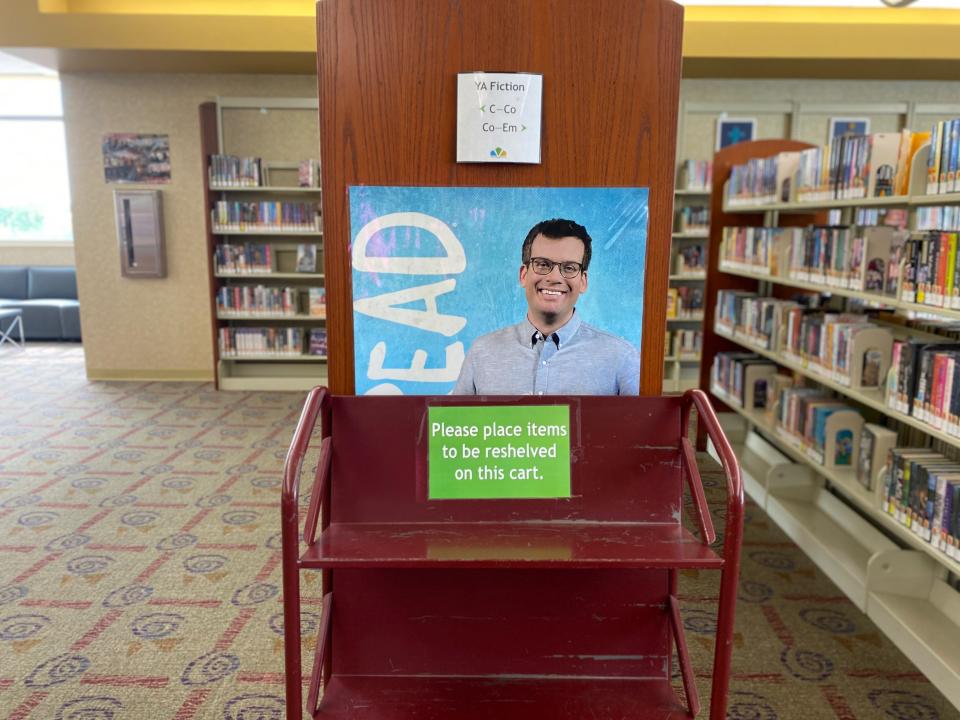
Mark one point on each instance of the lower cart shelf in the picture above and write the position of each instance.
(360, 697)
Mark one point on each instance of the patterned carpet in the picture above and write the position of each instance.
(139, 568)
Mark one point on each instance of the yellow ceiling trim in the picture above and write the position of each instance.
(235, 8)
(280, 27)
(694, 13)
(903, 17)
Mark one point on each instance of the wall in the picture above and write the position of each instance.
(153, 329)
(161, 329)
(54, 254)
(698, 130)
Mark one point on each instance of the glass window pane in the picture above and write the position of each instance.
(34, 190)
(30, 95)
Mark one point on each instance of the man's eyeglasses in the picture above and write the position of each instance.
(543, 266)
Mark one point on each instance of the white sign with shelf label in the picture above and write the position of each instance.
(498, 117)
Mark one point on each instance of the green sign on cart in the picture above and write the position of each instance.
(499, 451)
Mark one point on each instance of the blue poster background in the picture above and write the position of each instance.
(490, 225)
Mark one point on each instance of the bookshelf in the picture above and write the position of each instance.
(279, 233)
(256, 268)
(901, 581)
(264, 190)
(680, 371)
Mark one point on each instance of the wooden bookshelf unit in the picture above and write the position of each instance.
(681, 371)
(898, 579)
(250, 369)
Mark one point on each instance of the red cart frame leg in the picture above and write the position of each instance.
(321, 656)
(708, 425)
(317, 400)
(686, 669)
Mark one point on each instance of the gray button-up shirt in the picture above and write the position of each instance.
(575, 360)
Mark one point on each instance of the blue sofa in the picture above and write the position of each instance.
(48, 298)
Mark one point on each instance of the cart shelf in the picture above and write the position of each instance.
(538, 545)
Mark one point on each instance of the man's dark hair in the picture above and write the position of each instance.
(556, 229)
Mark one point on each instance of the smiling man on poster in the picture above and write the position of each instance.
(552, 351)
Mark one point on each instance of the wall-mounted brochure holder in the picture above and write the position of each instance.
(140, 233)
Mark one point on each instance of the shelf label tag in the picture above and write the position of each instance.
(498, 451)
(498, 117)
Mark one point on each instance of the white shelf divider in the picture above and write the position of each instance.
(902, 591)
(920, 613)
(845, 482)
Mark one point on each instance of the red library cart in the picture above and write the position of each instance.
(512, 609)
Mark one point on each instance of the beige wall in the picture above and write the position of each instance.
(57, 254)
(151, 329)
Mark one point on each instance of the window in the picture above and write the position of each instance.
(34, 189)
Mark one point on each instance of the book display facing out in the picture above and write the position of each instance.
(266, 250)
(832, 330)
(687, 271)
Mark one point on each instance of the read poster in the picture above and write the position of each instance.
(434, 268)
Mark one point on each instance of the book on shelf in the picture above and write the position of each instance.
(308, 173)
(854, 167)
(673, 303)
(253, 341)
(691, 260)
(825, 429)
(787, 165)
(848, 168)
(742, 378)
(921, 491)
(936, 217)
(256, 300)
(931, 273)
(881, 160)
(923, 383)
(878, 255)
(729, 310)
(862, 259)
(761, 250)
(265, 216)
(243, 259)
(234, 171)
(902, 181)
(317, 302)
(306, 258)
(687, 343)
(843, 347)
(318, 342)
(693, 219)
(689, 301)
(876, 442)
(895, 217)
(696, 175)
(762, 322)
(754, 182)
(942, 162)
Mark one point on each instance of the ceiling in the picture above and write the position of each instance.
(256, 36)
